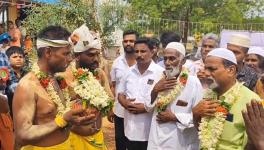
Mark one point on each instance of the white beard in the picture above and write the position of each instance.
(212, 85)
(172, 72)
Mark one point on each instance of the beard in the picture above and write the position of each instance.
(210, 83)
(56, 68)
(129, 49)
(174, 71)
(91, 66)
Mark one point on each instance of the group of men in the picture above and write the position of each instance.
(45, 117)
(138, 82)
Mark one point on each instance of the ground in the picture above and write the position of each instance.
(109, 134)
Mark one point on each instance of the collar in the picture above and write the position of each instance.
(151, 68)
(234, 89)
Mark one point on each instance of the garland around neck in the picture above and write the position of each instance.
(164, 99)
(90, 90)
(46, 83)
(211, 128)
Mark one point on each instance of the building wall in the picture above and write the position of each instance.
(12, 13)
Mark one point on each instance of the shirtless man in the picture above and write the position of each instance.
(40, 120)
(87, 57)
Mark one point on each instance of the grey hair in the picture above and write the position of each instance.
(211, 36)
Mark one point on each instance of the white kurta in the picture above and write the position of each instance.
(139, 86)
(178, 135)
(119, 70)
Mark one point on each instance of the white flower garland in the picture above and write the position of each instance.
(90, 90)
(211, 128)
(214, 128)
(61, 109)
(164, 98)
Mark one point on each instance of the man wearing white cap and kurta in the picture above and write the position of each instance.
(228, 134)
(172, 122)
(239, 45)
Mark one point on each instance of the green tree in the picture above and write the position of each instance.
(71, 14)
(208, 11)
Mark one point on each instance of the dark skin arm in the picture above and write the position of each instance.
(166, 116)
(202, 109)
(162, 85)
(24, 107)
(135, 108)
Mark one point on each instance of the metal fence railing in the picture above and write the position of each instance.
(158, 25)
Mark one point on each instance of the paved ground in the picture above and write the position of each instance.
(109, 134)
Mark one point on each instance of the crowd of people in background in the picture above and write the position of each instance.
(159, 92)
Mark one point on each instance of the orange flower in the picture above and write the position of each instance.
(80, 72)
(75, 38)
(63, 84)
(222, 109)
(183, 80)
(44, 82)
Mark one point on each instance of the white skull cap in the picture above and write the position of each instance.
(176, 46)
(223, 53)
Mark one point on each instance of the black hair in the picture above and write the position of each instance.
(128, 32)
(228, 63)
(245, 49)
(14, 50)
(261, 61)
(155, 42)
(18, 21)
(146, 41)
(168, 37)
(52, 33)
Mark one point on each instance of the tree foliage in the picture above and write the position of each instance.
(202, 11)
(71, 14)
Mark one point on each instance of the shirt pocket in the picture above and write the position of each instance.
(233, 133)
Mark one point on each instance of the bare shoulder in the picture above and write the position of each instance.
(26, 87)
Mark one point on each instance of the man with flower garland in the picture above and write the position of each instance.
(86, 48)
(227, 131)
(134, 95)
(42, 107)
(171, 126)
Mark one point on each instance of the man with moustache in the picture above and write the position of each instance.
(121, 65)
(134, 95)
(209, 42)
(221, 68)
(42, 112)
(86, 49)
(239, 45)
(173, 128)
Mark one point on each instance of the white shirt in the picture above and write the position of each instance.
(139, 86)
(161, 63)
(180, 135)
(195, 67)
(119, 70)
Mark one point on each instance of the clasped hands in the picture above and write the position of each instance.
(81, 116)
(130, 105)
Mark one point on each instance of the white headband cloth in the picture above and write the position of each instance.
(51, 43)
